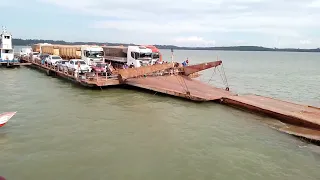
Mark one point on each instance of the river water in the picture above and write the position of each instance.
(62, 131)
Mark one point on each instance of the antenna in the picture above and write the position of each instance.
(171, 54)
(4, 30)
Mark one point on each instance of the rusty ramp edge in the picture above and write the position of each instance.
(179, 85)
(200, 67)
(291, 113)
(136, 72)
(310, 135)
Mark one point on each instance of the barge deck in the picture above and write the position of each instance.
(299, 120)
(87, 80)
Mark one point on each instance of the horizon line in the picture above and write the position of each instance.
(189, 47)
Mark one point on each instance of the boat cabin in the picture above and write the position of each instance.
(6, 50)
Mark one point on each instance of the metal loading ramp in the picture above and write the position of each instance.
(181, 86)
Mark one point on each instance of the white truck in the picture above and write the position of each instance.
(91, 54)
(135, 56)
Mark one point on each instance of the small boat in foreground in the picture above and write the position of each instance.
(4, 117)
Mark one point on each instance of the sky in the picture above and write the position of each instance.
(268, 23)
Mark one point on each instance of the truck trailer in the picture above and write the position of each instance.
(89, 53)
(135, 56)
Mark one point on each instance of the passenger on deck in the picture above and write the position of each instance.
(185, 63)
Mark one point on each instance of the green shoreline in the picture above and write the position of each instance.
(28, 42)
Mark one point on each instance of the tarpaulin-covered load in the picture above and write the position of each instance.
(115, 51)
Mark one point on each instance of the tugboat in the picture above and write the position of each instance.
(6, 50)
(4, 117)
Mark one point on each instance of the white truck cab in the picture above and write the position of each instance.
(91, 54)
(139, 56)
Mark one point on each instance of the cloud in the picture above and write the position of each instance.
(314, 4)
(209, 19)
(194, 41)
(305, 41)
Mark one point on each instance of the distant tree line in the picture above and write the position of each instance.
(29, 42)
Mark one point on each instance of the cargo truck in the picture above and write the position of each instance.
(156, 54)
(134, 56)
(90, 54)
